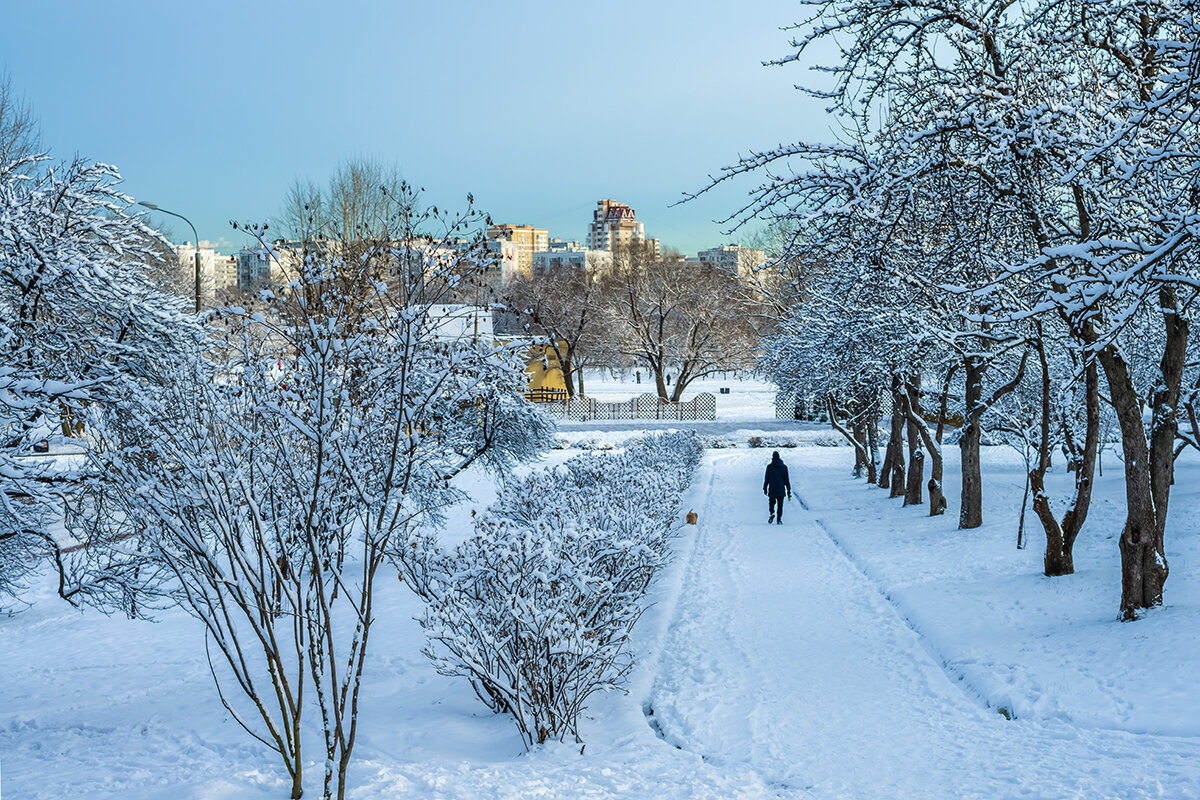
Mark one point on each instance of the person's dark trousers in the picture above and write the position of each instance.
(777, 508)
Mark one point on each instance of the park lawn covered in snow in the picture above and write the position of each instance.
(108, 707)
(1036, 647)
(745, 416)
(859, 650)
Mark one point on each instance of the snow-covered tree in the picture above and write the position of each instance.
(564, 305)
(79, 318)
(675, 317)
(290, 459)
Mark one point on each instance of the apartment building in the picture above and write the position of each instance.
(256, 267)
(572, 254)
(615, 225)
(744, 261)
(518, 242)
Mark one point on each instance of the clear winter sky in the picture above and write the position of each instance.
(213, 108)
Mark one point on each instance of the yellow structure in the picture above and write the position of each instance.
(546, 381)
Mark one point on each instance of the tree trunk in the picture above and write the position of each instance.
(897, 437)
(970, 513)
(1060, 539)
(1143, 571)
(885, 469)
(916, 456)
(1149, 466)
(579, 378)
(859, 428)
(659, 384)
(568, 371)
(871, 403)
(860, 455)
(1165, 403)
(937, 499)
(677, 392)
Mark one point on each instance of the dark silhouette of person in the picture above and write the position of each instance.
(775, 486)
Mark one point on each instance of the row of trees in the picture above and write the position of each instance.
(677, 320)
(1008, 224)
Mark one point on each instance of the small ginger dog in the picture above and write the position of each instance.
(691, 518)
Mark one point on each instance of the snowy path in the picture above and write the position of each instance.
(784, 657)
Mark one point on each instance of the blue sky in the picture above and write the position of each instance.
(214, 109)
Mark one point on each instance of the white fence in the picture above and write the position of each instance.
(647, 406)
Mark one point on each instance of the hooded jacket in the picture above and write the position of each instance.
(775, 482)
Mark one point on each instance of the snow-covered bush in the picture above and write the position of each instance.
(824, 440)
(535, 609)
(718, 442)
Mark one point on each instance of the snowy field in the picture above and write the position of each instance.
(860, 650)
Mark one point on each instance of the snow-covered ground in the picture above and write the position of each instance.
(860, 650)
(1041, 648)
(106, 707)
(864, 650)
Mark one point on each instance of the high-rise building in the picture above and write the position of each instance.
(742, 261)
(255, 268)
(518, 242)
(614, 225)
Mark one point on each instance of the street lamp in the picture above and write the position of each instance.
(155, 207)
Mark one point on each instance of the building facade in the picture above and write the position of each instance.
(255, 268)
(743, 261)
(518, 243)
(574, 255)
(615, 225)
(504, 266)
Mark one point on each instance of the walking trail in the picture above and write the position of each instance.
(784, 657)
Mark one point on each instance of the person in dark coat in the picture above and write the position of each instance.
(775, 486)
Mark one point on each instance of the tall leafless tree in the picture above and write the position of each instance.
(20, 133)
(679, 318)
(562, 304)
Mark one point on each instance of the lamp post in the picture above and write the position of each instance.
(196, 239)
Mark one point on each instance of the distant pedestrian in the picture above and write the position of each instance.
(775, 486)
(639, 376)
